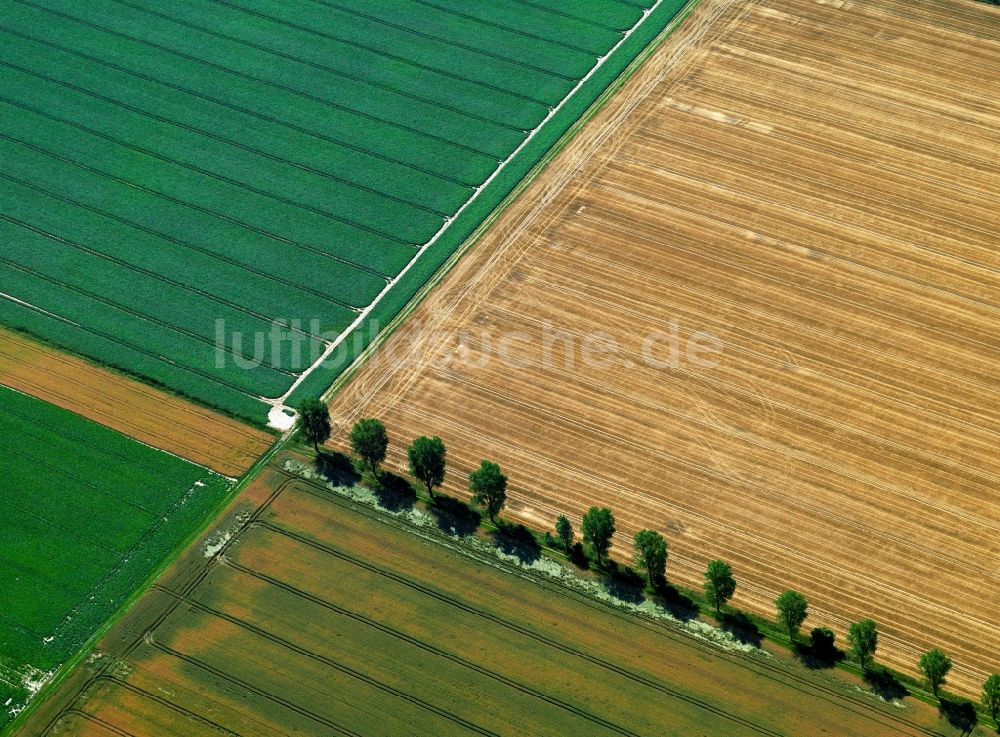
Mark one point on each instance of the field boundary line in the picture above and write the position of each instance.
(378, 340)
(279, 403)
(708, 30)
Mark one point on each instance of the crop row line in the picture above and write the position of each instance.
(232, 106)
(159, 699)
(113, 728)
(502, 27)
(287, 704)
(124, 309)
(34, 421)
(213, 175)
(832, 117)
(23, 629)
(355, 44)
(446, 41)
(258, 80)
(184, 244)
(345, 669)
(142, 540)
(316, 65)
(156, 275)
(105, 663)
(794, 280)
(45, 576)
(158, 357)
(82, 388)
(571, 16)
(762, 160)
(514, 627)
(427, 647)
(200, 208)
(581, 83)
(219, 138)
(64, 472)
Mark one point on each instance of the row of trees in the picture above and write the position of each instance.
(427, 458)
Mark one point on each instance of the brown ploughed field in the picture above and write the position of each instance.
(813, 183)
(323, 617)
(149, 415)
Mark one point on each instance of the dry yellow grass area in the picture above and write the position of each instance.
(814, 183)
(150, 415)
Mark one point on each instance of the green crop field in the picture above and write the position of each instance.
(176, 172)
(88, 515)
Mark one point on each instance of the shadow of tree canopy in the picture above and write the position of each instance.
(742, 628)
(675, 601)
(960, 713)
(517, 540)
(817, 659)
(624, 591)
(820, 651)
(884, 683)
(455, 517)
(336, 468)
(394, 492)
(622, 582)
(578, 557)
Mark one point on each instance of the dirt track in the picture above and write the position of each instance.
(155, 417)
(814, 184)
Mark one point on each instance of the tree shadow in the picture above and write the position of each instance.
(960, 713)
(455, 517)
(680, 605)
(884, 683)
(817, 657)
(394, 492)
(336, 468)
(517, 540)
(623, 583)
(741, 627)
(578, 557)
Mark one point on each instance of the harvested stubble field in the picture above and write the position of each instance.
(131, 407)
(89, 514)
(814, 184)
(321, 616)
(170, 166)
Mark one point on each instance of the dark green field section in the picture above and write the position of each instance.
(89, 514)
(176, 172)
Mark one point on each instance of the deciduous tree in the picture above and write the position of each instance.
(489, 488)
(651, 554)
(598, 528)
(564, 531)
(935, 665)
(991, 695)
(720, 585)
(314, 422)
(370, 441)
(427, 461)
(863, 639)
(792, 611)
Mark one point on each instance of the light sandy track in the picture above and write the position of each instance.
(151, 416)
(814, 183)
